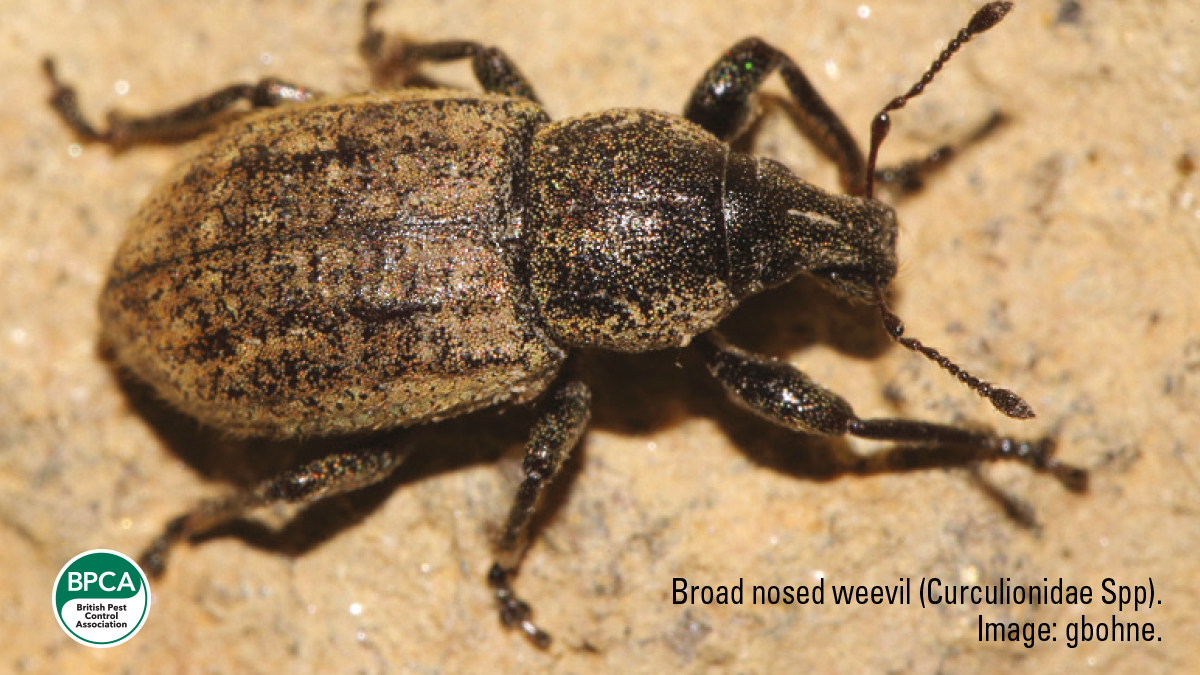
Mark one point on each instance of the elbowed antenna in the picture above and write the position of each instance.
(1004, 400)
(987, 16)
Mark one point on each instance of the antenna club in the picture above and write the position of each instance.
(1010, 404)
(1003, 400)
(989, 15)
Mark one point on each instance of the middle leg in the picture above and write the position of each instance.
(562, 418)
(390, 57)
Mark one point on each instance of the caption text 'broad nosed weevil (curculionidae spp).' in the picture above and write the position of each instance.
(329, 265)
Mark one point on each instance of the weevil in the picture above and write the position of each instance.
(327, 265)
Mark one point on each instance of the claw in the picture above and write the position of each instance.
(514, 612)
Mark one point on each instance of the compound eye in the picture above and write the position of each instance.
(845, 274)
(849, 280)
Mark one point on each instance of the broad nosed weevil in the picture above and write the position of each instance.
(337, 264)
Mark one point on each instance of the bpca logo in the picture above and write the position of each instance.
(101, 598)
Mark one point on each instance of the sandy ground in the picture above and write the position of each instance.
(1059, 256)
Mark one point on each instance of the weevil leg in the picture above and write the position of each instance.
(390, 56)
(723, 103)
(562, 417)
(333, 474)
(786, 396)
(182, 123)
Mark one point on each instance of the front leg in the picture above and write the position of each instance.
(723, 103)
(782, 394)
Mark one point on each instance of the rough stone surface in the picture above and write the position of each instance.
(1060, 257)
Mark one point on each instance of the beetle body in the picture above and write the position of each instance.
(381, 260)
(341, 265)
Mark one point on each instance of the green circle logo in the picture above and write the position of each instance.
(101, 598)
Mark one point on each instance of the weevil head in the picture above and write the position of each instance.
(780, 225)
(863, 259)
